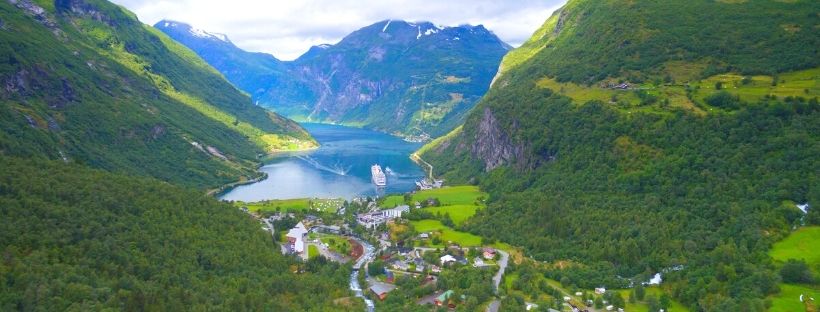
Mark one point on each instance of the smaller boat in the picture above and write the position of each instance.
(389, 171)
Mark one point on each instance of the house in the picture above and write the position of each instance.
(489, 253)
(296, 237)
(578, 294)
(447, 259)
(435, 269)
(388, 276)
(419, 268)
(424, 236)
(610, 307)
(567, 298)
(442, 299)
(395, 212)
(400, 265)
(461, 260)
(477, 262)
(600, 290)
(530, 306)
(381, 290)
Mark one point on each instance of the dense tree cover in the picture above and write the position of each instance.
(587, 41)
(623, 194)
(796, 271)
(626, 194)
(82, 239)
(86, 81)
(471, 287)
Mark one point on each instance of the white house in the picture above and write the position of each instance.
(600, 290)
(296, 237)
(447, 259)
(395, 212)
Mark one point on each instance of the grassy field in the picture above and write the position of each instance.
(802, 244)
(301, 204)
(789, 298)
(451, 195)
(447, 234)
(804, 83)
(458, 213)
(642, 307)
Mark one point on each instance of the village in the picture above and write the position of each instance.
(406, 251)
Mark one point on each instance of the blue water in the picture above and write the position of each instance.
(340, 168)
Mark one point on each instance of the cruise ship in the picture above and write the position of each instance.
(379, 179)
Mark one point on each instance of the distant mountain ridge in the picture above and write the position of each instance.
(411, 79)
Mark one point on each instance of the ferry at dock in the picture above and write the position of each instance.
(378, 176)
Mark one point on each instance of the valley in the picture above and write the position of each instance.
(630, 156)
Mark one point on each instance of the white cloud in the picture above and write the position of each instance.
(287, 29)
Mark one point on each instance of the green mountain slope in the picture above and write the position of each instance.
(79, 239)
(689, 165)
(86, 82)
(411, 79)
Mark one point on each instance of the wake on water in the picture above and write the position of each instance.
(336, 169)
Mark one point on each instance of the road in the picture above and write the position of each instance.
(502, 266)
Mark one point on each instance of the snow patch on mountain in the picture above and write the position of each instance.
(386, 25)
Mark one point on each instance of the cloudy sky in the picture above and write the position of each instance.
(287, 29)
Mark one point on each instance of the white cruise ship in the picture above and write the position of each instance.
(379, 179)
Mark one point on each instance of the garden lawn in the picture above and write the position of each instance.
(313, 251)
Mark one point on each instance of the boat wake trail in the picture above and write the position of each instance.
(338, 169)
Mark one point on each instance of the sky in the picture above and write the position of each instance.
(286, 29)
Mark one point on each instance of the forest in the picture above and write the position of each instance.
(83, 239)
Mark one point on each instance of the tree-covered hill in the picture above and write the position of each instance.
(410, 79)
(695, 164)
(78, 239)
(86, 82)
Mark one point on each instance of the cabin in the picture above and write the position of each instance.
(446, 259)
(381, 290)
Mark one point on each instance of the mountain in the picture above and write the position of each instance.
(627, 138)
(411, 79)
(86, 82)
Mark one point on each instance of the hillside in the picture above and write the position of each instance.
(411, 79)
(75, 239)
(627, 138)
(86, 82)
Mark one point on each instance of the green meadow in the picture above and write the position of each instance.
(803, 244)
(447, 234)
(299, 204)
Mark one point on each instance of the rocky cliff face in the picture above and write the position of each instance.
(493, 146)
(411, 79)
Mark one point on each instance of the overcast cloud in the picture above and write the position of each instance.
(287, 29)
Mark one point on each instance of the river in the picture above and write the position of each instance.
(339, 168)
